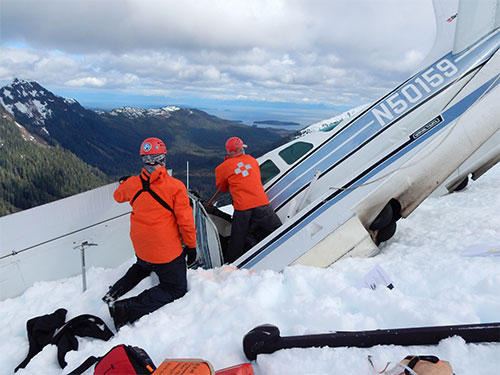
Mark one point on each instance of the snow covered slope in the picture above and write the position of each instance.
(333, 121)
(435, 283)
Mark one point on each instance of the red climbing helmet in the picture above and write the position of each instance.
(235, 146)
(153, 146)
(153, 151)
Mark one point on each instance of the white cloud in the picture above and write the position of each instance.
(332, 52)
(87, 81)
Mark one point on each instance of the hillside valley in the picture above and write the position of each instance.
(109, 141)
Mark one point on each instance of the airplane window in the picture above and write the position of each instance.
(267, 171)
(294, 152)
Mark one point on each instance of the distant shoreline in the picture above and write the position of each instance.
(275, 122)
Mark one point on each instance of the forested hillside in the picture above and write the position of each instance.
(32, 173)
(110, 141)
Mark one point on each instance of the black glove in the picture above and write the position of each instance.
(190, 253)
(113, 294)
(123, 178)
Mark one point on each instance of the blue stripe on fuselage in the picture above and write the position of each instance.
(449, 116)
(435, 78)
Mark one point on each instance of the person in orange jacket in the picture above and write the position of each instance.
(240, 174)
(161, 216)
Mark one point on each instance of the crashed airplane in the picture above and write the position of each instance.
(339, 192)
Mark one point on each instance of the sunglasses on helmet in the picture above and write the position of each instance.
(153, 159)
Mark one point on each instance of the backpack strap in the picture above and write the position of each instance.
(147, 188)
(90, 361)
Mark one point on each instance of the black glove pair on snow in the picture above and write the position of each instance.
(190, 253)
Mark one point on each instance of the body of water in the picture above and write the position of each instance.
(248, 114)
(242, 111)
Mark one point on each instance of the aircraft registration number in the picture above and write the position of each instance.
(418, 88)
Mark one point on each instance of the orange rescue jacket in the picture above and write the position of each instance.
(154, 230)
(241, 175)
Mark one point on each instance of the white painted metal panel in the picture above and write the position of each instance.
(42, 243)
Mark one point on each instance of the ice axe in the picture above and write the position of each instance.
(266, 339)
(211, 200)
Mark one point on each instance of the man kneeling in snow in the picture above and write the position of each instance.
(160, 213)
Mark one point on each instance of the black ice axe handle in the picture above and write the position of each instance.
(265, 339)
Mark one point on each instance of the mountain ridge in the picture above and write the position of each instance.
(110, 140)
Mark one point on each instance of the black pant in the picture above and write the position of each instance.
(173, 285)
(259, 221)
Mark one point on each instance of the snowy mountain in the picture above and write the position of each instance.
(331, 122)
(110, 140)
(134, 113)
(30, 103)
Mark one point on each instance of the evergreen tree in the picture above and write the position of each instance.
(32, 174)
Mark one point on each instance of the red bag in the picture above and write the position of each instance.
(120, 360)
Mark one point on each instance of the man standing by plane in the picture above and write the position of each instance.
(161, 214)
(240, 173)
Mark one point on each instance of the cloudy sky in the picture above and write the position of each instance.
(302, 54)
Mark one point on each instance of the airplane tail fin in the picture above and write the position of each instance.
(459, 23)
(445, 18)
(475, 19)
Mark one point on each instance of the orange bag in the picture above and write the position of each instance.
(199, 367)
(183, 366)
(242, 369)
